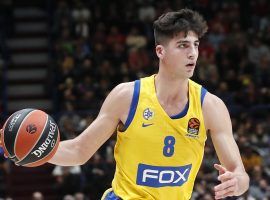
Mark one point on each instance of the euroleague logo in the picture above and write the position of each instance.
(193, 127)
(31, 128)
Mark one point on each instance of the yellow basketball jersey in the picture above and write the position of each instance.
(158, 156)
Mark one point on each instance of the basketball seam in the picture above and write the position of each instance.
(36, 140)
(15, 141)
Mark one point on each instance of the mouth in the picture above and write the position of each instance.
(190, 65)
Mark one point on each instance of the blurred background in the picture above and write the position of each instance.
(65, 56)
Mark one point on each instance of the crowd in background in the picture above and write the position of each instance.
(4, 13)
(99, 44)
(5, 29)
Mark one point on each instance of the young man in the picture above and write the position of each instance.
(161, 124)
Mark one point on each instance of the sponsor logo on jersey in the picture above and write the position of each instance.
(148, 114)
(146, 125)
(193, 128)
(157, 176)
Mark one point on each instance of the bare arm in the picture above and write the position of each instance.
(233, 177)
(78, 150)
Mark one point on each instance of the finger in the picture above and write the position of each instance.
(226, 176)
(1, 133)
(220, 168)
(5, 153)
(225, 185)
(2, 144)
(225, 193)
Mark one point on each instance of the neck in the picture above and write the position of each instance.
(170, 88)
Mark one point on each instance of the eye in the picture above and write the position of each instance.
(182, 45)
(196, 45)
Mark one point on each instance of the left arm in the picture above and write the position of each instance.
(233, 177)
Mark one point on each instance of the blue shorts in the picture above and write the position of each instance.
(111, 196)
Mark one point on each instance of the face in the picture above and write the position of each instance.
(179, 55)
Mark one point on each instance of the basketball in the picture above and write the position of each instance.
(30, 137)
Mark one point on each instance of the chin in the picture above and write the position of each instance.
(190, 74)
(184, 75)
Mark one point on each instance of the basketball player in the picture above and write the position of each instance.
(161, 124)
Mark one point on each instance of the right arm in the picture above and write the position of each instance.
(77, 151)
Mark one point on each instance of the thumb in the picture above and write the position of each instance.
(220, 168)
(1, 133)
(2, 143)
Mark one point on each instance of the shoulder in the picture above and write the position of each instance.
(214, 110)
(119, 99)
(123, 91)
(211, 100)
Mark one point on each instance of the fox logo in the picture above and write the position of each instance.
(161, 176)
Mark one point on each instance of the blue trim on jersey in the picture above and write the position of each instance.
(134, 103)
(181, 114)
(203, 93)
(111, 196)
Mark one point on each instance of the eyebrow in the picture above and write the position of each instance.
(186, 41)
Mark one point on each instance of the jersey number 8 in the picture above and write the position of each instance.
(168, 148)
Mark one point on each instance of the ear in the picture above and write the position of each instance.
(160, 51)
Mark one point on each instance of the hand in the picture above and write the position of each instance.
(1, 132)
(1, 145)
(229, 183)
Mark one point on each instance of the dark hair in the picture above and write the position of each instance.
(172, 23)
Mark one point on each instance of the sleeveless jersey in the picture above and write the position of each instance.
(158, 156)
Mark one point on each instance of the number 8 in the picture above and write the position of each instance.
(169, 143)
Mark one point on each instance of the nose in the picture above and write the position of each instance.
(192, 52)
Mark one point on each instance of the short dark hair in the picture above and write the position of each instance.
(172, 23)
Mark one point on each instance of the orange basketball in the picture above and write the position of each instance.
(30, 137)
